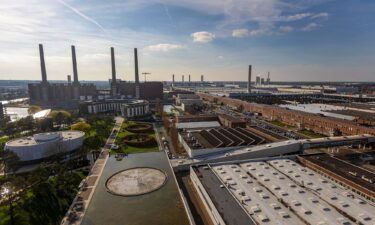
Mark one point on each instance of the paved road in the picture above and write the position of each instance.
(78, 208)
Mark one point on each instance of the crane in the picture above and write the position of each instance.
(145, 74)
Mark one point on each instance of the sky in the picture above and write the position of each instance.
(302, 40)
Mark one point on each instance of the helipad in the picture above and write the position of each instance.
(136, 181)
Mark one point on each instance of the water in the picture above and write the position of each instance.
(14, 100)
(161, 207)
(16, 113)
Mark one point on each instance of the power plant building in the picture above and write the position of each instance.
(70, 94)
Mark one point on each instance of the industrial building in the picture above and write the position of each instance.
(208, 141)
(275, 191)
(355, 178)
(41, 146)
(59, 94)
(317, 123)
(68, 95)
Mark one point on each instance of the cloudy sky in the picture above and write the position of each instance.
(292, 39)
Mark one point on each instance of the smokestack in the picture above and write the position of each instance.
(202, 78)
(189, 78)
(183, 78)
(42, 64)
(69, 79)
(173, 80)
(268, 75)
(113, 65)
(75, 73)
(136, 66)
(249, 81)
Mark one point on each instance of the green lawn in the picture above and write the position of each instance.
(130, 149)
(312, 134)
(281, 124)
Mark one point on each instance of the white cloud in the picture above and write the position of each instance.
(239, 33)
(164, 47)
(203, 37)
(320, 15)
(294, 17)
(286, 29)
(310, 27)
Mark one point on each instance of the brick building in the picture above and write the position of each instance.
(325, 125)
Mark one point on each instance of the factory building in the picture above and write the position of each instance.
(68, 95)
(33, 149)
(277, 190)
(355, 178)
(305, 120)
(65, 95)
(147, 90)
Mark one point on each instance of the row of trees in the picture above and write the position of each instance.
(40, 197)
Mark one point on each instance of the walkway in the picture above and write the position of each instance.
(78, 208)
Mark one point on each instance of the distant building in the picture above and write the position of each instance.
(126, 107)
(257, 80)
(135, 109)
(68, 95)
(65, 95)
(231, 121)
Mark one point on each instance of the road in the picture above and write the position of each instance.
(82, 200)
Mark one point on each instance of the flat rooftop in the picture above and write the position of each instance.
(356, 174)
(222, 137)
(32, 140)
(282, 191)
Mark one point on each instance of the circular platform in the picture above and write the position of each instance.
(136, 181)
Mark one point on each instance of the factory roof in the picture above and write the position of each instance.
(354, 173)
(195, 125)
(337, 196)
(260, 186)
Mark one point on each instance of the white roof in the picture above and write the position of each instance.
(257, 201)
(195, 125)
(41, 114)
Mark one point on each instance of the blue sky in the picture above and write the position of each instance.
(328, 40)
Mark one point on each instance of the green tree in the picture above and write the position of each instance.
(61, 117)
(33, 109)
(82, 126)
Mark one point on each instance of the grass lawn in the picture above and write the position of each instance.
(281, 124)
(130, 149)
(312, 134)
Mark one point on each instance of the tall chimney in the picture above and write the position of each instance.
(42, 64)
(136, 66)
(69, 79)
(202, 79)
(249, 81)
(113, 65)
(173, 80)
(189, 78)
(183, 78)
(75, 73)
